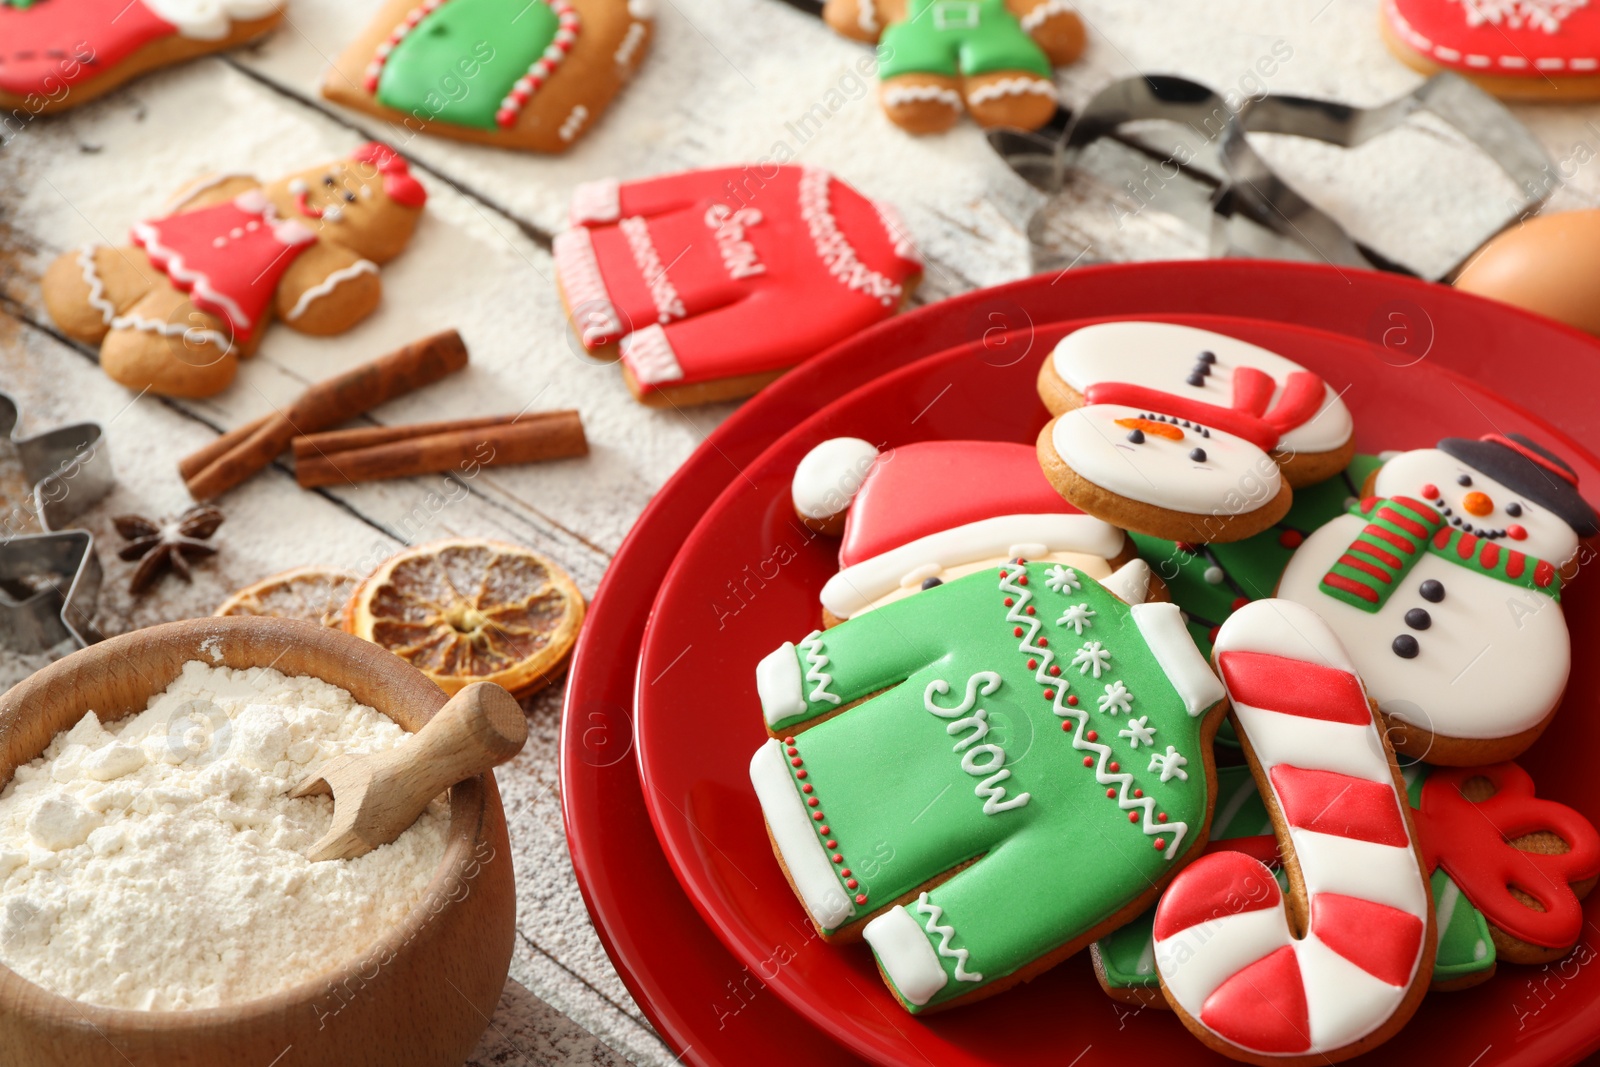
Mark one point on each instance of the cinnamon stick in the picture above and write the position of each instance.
(201, 458)
(329, 403)
(344, 440)
(550, 435)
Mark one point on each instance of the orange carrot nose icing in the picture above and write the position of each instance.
(1160, 429)
(1477, 504)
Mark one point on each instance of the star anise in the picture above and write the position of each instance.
(167, 543)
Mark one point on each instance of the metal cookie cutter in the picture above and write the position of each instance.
(1213, 179)
(50, 582)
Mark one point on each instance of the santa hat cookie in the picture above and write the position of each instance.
(56, 54)
(712, 283)
(1445, 585)
(513, 73)
(923, 514)
(1515, 49)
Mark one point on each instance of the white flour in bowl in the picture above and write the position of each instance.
(158, 863)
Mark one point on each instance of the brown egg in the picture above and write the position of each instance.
(1549, 265)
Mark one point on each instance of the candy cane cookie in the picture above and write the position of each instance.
(1337, 965)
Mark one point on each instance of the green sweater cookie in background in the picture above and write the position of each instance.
(1028, 724)
(959, 39)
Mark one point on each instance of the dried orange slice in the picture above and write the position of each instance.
(467, 610)
(314, 594)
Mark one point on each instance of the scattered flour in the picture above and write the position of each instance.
(157, 863)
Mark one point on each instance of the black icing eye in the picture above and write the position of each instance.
(1464, 480)
(1196, 378)
(1198, 455)
(349, 198)
(1136, 436)
(929, 583)
(327, 179)
(1514, 509)
(1207, 356)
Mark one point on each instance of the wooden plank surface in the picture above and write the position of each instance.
(729, 81)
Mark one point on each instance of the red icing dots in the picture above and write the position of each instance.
(1072, 699)
(1133, 816)
(1088, 761)
(1291, 538)
(1092, 735)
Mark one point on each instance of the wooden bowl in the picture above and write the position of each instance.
(420, 996)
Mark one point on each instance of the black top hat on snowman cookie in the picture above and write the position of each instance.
(1526, 467)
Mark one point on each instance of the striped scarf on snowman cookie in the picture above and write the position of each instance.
(1398, 531)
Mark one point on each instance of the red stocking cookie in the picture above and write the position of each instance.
(56, 54)
(173, 313)
(1226, 948)
(923, 514)
(1515, 49)
(712, 283)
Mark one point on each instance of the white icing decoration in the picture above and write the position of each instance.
(596, 201)
(669, 305)
(328, 285)
(1131, 582)
(867, 17)
(585, 288)
(904, 247)
(1161, 355)
(834, 248)
(199, 335)
(642, 9)
(816, 668)
(993, 772)
(1078, 616)
(97, 288)
(827, 479)
(574, 122)
(649, 355)
(795, 835)
(946, 934)
(1138, 733)
(857, 586)
(630, 44)
(1236, 478)
(1163, 630)
(906, 955)
(728, 226)
(1062, 578)
(1545, 15)
(209, 20)
(1170, 763)
(1042, 13)
(779, 686)
(1116, 699)
(1092, 657)
(1019, 86)
(900, 95)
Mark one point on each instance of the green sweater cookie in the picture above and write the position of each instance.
(1022, 728)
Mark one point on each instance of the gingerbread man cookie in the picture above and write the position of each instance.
(502, 72)
(1445, 586)
(1022, 715)
(1337, 965)
(56, 54)
(995, 57)
(174, 313)
(1515, 49)
(991, 504)
(712, 283)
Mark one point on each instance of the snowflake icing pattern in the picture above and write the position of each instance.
(1546, 15)
(1138, 733)
(1077, 617)
(1060, 579)
(1091, 657)
(1170, 764)
(1117, 699)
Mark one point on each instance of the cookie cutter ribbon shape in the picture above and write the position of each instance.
(50, 581)
(1211, 177)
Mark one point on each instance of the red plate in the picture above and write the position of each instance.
(674, 966)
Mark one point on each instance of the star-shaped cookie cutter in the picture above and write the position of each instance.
(50, 581)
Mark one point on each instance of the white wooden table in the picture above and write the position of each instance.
(729, 81)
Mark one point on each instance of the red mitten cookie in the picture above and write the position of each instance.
(56, 54)
(173, 313)
(1445, 585)
(923, 514)
(712, 283)
(1226, 945)
(1515, 49)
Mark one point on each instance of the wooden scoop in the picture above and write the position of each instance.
(376, 797)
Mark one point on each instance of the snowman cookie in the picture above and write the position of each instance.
(1208, 378)
(991, 505)
(1019, 735)
(712, 283)
(1445, 585)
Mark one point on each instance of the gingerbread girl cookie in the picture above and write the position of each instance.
(1239, 975)
(1445, 586)
(712, 283)
(501, 72)
(56, 54)
(1515, 49)
(1064, 734)
(992, 505)
(993, 56)
(173, 313)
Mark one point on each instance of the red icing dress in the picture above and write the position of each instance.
(721, 273)
(228, 257)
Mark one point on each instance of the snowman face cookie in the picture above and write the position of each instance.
(1472, 501)
(1161, 474)
(1209, 378)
